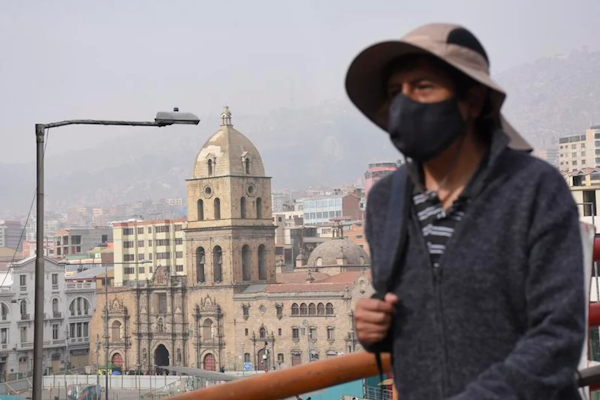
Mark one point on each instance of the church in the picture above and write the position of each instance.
(234, 308)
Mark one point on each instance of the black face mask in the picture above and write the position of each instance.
(422, 131)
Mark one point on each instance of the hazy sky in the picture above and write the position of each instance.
(129, 59)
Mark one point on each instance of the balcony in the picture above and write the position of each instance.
(25, 317)
(54, 287)
(79, 340)
(57, 314)
(25, 345)
(81, 285)
(55, 342)
(23, 288)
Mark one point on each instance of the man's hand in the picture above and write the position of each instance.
(372, 318)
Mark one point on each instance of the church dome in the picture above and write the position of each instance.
(228, 153)
(338, 252)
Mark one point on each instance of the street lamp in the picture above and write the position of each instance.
(162, 119)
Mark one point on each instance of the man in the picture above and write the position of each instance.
(477, 258)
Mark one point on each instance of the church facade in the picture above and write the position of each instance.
(232, 310)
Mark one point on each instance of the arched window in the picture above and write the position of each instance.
(246, 267)
(312, 309)
(210, 167)
(217, 264)
(217, 208)
(79, 306)
(200, 210)
(200, 261)
(4, 312)
(303, 309)
(259, 212)
(23, 307)
(295, 309)
(243, 207)
(115, 334)
(207, 329)
(262, 332)
(145, 355)
(178, 355)
(246, 357)
(262, 262)
(329, 309)
(160, 325)
(247, 165)
(55, 305)
(320, 309)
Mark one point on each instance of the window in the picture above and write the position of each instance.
(178, 227)
(246, 331)
(312, 309)
(243, 207)
(279, 332)
(104, 238)
(303, 309)
(207, 328)
(246, 311)
(246, 273)
(140, 231)
(280, 358)
(583, 145)
(246, 357)
(295, 309)
(149, 243)
(163, 242)
(312, 332)
(142, 269)
(163, 229)
(4, 312)
(140, 243)
(23, 307)
(295, 333)
(200, 261)
(574, 162)
(149, 229)
(583, 154)
(54, 305)
(23, 334)
(115, 334)
(200, 210)
(162, 303)
(128, 257)
(217, 264)
(262, 262)
(217, 208)
(126, 232)
(259, 208)
(179, 254)
(330, 333)
(179, 268)
(54, 331)
(4, 336)
(573, 146)
(262, 333)
(595, 176)
(329, 309)
(141, 257)
(163, 256)
(128, 244)
(178, 241)
(55, 279)
(23, 280)
(128, 270)
(210, 167)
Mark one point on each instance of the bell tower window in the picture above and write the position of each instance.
(200, 210)
(243, 207)
(217, 208)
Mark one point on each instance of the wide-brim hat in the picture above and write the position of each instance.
(452, 44)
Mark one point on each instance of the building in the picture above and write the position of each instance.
(17, 299)
(321, 210)
(11, 235)
(30, 248)
(550, 155)
(585, 187)
(376, 171)
(80, 240)
(231, 300)
(142, 246)
(580, 151)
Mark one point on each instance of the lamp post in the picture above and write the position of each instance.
(162, 119)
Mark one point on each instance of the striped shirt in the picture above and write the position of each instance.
(437, 224)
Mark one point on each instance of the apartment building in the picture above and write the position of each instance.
(579, 151)
(80, 240)
(142, 246)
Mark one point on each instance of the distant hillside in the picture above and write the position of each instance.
(328, 144)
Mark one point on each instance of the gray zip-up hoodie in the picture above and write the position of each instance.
(504, 316)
